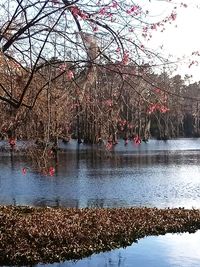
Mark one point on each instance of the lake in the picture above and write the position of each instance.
(157, 173)
(171, 250)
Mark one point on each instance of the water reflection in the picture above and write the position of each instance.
(171, 250)
(153, 174)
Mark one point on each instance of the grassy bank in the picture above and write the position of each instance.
(31, 235)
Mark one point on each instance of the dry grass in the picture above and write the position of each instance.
(32, 235)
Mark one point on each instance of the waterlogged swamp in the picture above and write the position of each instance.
(157, 173)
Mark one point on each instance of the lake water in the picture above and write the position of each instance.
(171, 250)
(157, 173)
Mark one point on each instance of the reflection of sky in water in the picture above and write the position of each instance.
(158, 174)
(162, 174)
(171, 250)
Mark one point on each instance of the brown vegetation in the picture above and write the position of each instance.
(31, 235)
(75, 69)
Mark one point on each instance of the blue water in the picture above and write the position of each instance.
(171, 250)
(161, 174)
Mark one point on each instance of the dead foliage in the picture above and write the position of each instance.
(31, 235)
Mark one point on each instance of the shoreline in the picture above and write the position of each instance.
(31, 235)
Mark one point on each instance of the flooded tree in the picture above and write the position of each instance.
(82, 69)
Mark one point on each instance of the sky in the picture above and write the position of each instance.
(182, 37)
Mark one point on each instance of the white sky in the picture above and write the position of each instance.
(182, 37)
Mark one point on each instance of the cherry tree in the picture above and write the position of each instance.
(81, 66)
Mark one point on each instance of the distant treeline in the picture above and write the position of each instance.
(105, 102)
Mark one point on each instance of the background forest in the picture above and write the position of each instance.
(69, 69)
